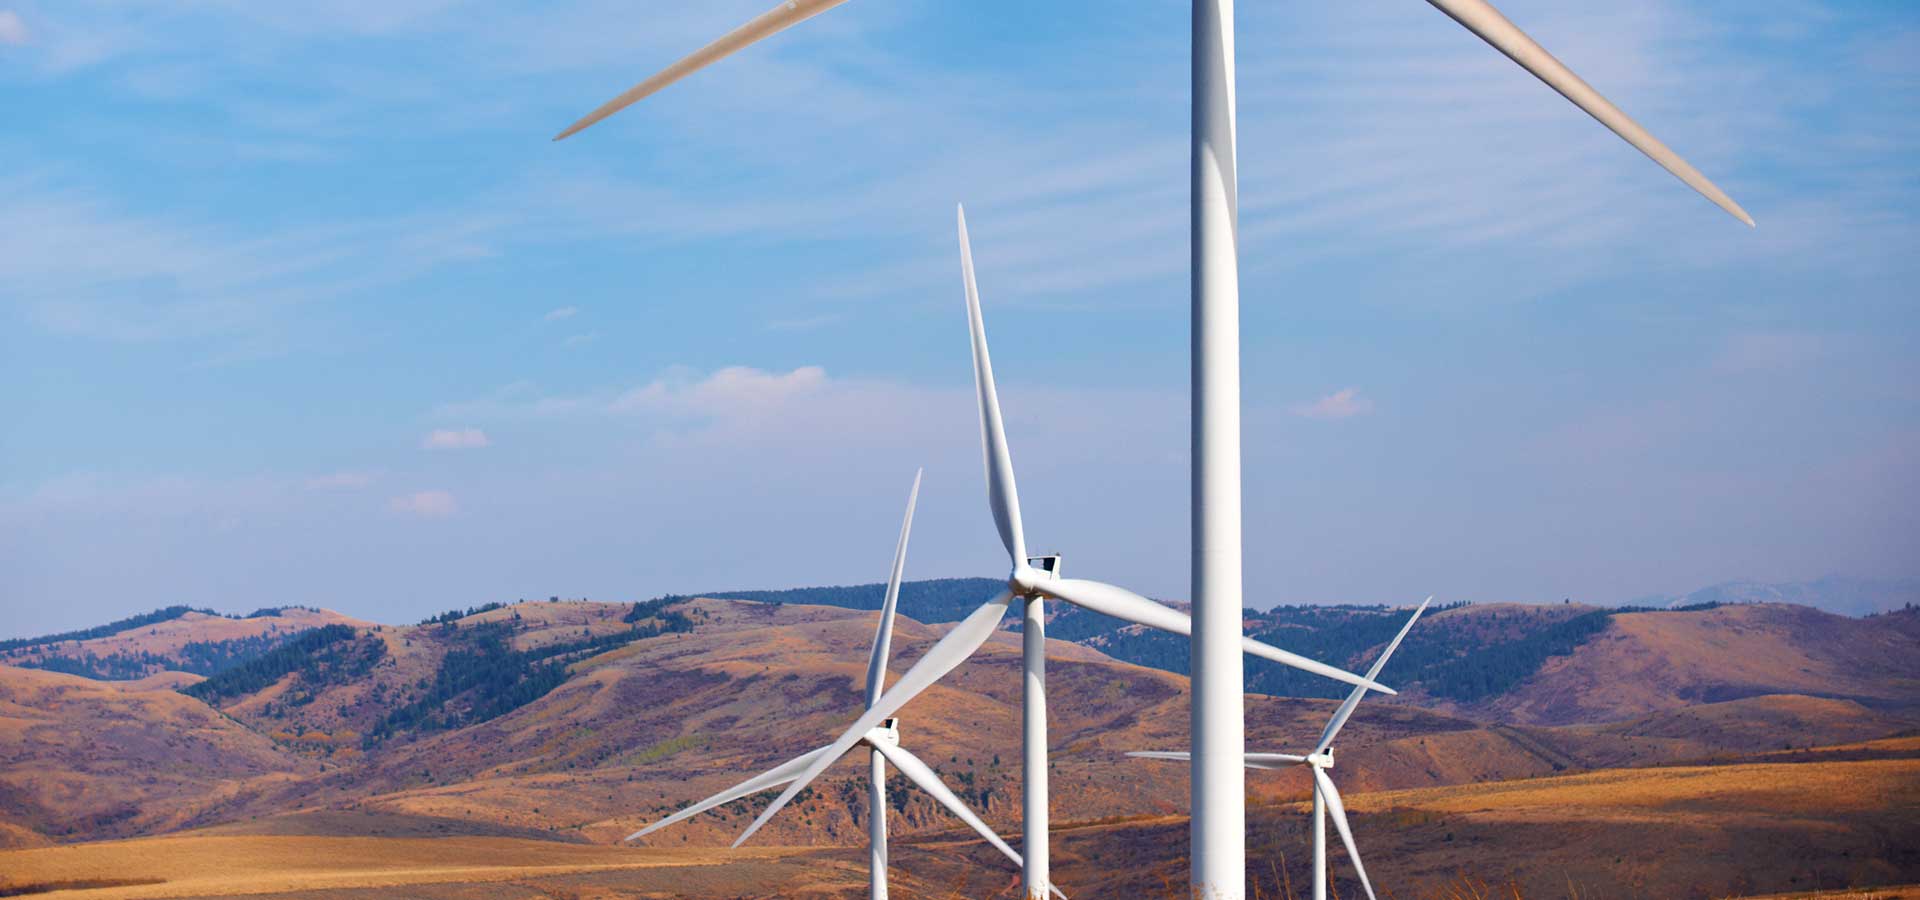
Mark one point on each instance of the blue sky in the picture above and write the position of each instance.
(300, 305)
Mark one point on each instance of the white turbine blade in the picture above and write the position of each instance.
(1001, 493)
(1345, 711)
(883, 637)
(929, 780)
(1273, 760)
(1338, 812)
(774, 777)
(1121, 603)
(774, 21)
(1479, 17)
(1253, 760)
(940, 659)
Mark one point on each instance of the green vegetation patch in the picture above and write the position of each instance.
(322, 656)
(100, 631)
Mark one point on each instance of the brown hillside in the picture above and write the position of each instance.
(1649, 662)
(166, 638)
(667, 720)
(90, 759)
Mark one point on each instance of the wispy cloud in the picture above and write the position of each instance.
(425, 504)
(82, 265)
(577, 340)
(455, 439)
(13, 29)
(1341, 404)
(340, 481)
(731, 391)
(564, 312)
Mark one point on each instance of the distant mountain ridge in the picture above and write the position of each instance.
(583, 720)
(1839, 594)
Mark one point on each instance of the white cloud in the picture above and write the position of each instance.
(425, 504)
(340, 481)
(13, 30)
(455, 439)
(1341, 404)
(580, 339)
(564, 312)
(729, 391)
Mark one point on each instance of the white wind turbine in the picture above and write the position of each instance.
(1219, 716)
(1032, 585)
(883, 739)
(1325, 795)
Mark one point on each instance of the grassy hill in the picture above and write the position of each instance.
(576, 722)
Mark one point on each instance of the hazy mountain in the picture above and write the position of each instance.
(1834, 593)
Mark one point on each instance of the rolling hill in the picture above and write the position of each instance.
(575, 722)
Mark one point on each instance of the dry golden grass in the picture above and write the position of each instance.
(196, 865)
(1692, 793)
(1649, 662)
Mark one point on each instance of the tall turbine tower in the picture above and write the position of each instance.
(1033, 585)
(1326, 797)
(1219, 720)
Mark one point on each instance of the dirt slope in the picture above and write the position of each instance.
(1649, 662)
(93, 759)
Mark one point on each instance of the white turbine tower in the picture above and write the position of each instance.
(1033, 586)
(883, 741)
(1325, 796)
(1219, 718)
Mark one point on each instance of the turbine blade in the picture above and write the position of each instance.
(941, 658)
(1273, 760)
(1253, 760)
(1347, 707)
(883, 638)
(1126, 605)
(774, 777)
(1002, 496)
(774, 21)
(929, 780)
(1338, 812)
(1479, 17)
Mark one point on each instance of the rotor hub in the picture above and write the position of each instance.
(1027, 577)
(888, 733)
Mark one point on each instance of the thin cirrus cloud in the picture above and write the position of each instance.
(425, 504)
(726, 393)
(455, 439)
(13, 29)
(340, 481)
(1341, 404)
(564, 312)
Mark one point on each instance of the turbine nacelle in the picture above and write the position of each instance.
(887, 733)
(1322, 760)
(1027, 579)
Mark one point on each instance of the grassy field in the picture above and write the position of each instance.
(202, 866)
(1703, 832)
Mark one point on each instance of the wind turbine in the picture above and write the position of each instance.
(1219, 849)
(1325, 796)
(883, 740)
(1033, 585)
